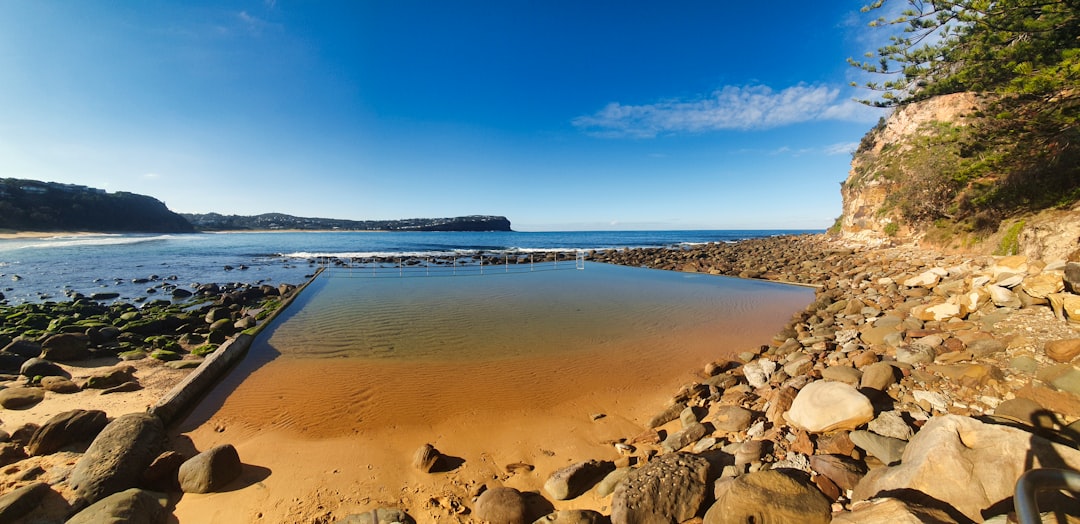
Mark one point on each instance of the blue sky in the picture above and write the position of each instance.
(560, 115)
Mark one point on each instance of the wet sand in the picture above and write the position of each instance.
(325, 437)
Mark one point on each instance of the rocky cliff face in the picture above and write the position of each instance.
(909, 183)
(878, 168)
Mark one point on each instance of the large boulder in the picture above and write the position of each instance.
(500, 506)
(670, 488)
(770, 497)
(824, 406)
(575, 479)
(65, 347)
(131, 506)
(117, 458)
(39, 367)
(969, 465)
(77, 425)
(210, 470)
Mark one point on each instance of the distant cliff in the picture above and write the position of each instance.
(278, 221)
(30, 205)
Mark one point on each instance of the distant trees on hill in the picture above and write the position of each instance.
(31, 205)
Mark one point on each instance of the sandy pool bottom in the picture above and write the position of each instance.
(327, 418)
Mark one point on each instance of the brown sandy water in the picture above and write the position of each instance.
(333, 399)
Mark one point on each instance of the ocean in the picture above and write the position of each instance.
(142, 267)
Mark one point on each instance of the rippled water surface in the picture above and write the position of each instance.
(358, 351)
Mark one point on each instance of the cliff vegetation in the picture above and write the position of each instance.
(983, 138)
(30, 205)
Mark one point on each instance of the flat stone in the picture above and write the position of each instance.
(893, 511)
(845, 374)
(891, 424)
(843, 471)
(1063, 350)
(20, 501)
(915, 354)
(731, 419)
(20, 397)
(59, 385)
(878, 376)
(887, 449)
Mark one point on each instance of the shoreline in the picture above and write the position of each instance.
(881, 308)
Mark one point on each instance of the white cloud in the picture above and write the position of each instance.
(841, 149)
(730, 107)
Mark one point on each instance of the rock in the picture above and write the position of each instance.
(110, 377)
(607, 486)
(65, 347)
(116, 459)
(925, 279)
(1043, 285)
(20, 397)
(845, 374)
(1071, 307)
(162, 473)
(426, 458)
(841, 470)
(1025, 411)
(1072, 277)
(684, 437)
(10, 453)
(575, 479)
(985, 347)
(23, 348)
(59, 385)
(915, 354)
(758, 372)
(132, 506)
(66, 428)
(670, 413)
(379, 516)
(829, 406)
(731, 419)
(891, 424)
(878, 376)
(769, 497)
(967, 464)
(38, 367)
(893, 511)
(1002, 297)
(210, 470)
(779, 403)
(571, 516)
(749, 452)
(1063, 350)
(887, 449)
(500, 505)
(670, 488)
(20, 501)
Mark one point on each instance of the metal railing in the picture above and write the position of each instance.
(1036, 480)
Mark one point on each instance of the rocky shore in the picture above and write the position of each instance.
(76, 381)
(916, 387)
